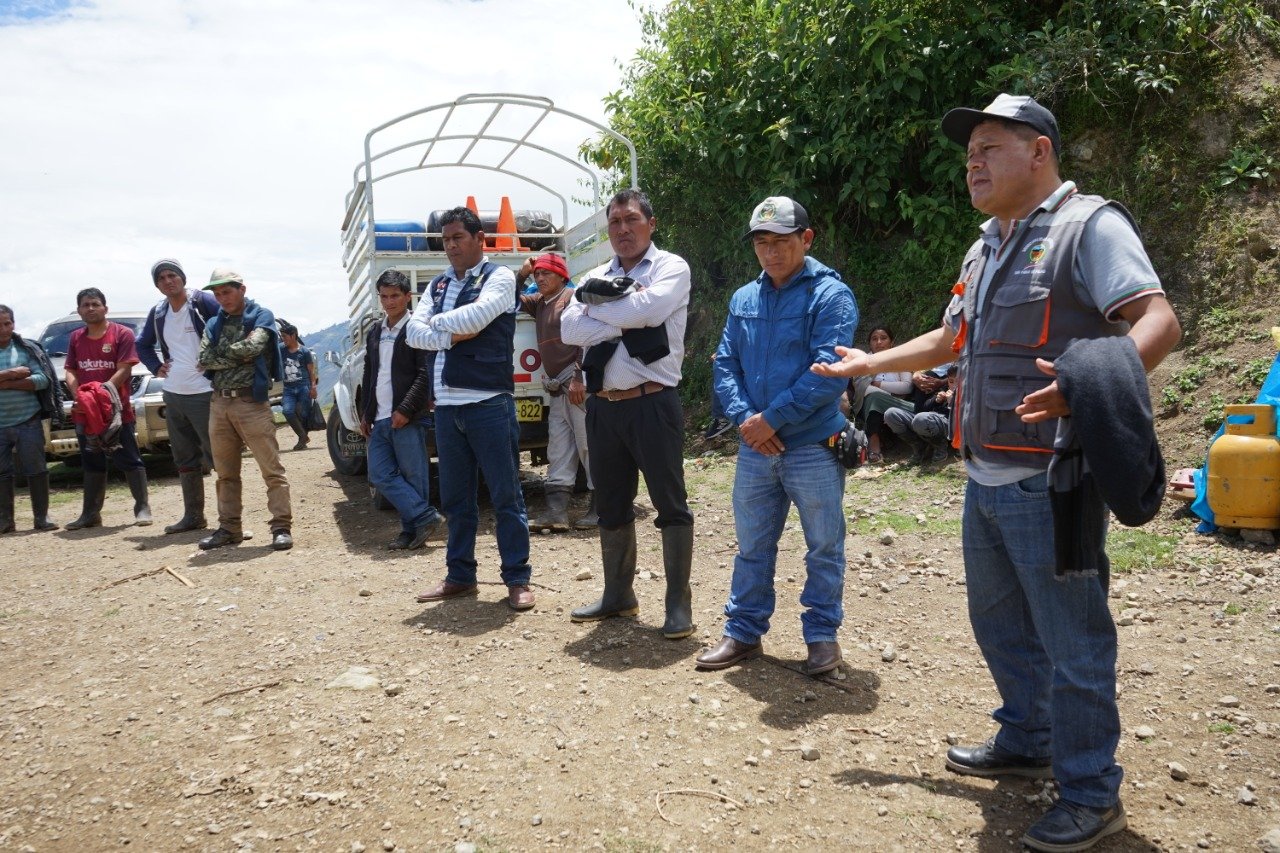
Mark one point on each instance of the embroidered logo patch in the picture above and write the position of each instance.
(768, 212)
(1037, 250)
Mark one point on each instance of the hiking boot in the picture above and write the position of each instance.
(717, 428)
(989, 759)
(281, 540)
(219, 538)
(1069, 827)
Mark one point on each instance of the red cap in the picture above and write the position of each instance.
(553, 263)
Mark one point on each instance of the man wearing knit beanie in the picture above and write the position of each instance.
(169, 346)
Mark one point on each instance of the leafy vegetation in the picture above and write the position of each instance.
(838, 105)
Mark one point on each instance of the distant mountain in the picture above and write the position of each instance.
(331, 339)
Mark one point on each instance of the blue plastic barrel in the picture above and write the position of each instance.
(389, 242)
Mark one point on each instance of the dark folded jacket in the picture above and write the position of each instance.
(1106, 453)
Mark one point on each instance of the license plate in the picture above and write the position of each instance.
(528, 409)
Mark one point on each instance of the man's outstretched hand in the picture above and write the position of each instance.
(853, 362)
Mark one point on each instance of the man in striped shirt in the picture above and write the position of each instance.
(635, 423)
(467, 321)
(27, 397)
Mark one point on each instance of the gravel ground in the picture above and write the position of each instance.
(151, 715)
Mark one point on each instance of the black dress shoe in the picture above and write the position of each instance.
(281, 540)
(823, 657)
(400, 542)
(220, 537)
(728, 652)
(1068, 827)
(988, 759)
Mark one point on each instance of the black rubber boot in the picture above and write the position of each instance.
(299, 429)
(137, 480)
(556, 516)
(95, 490)
(677, 560)
(39, 488)
(591, 520)
(7, 524)
(192, 503)
(618, 554)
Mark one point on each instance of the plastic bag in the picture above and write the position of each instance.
(315, 420)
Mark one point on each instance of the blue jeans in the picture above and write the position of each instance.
(1049, 642)
(400, 470)
(296, 400)
(484, 437)
(28, 438)
(763, 490)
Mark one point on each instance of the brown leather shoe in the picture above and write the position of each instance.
(519, 597)
(823, 657)
(728, 652)
(445, 590)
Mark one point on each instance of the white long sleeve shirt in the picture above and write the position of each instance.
(662, 300)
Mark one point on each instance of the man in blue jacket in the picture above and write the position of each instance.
(240, 351)
(175, 325)
(796, 313)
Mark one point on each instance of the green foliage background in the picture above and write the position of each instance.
(838, 105)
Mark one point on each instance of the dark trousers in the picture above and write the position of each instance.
(642, 435)
(126, 457)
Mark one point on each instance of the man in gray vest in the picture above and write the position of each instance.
(1050, 267)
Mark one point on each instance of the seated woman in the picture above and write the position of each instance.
(871, 396)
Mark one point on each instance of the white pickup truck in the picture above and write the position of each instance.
(517, 137)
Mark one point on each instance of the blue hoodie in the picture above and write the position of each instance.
(771, 337)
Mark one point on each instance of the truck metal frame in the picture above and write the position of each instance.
(502, 133)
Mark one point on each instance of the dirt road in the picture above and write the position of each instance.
(121, 727)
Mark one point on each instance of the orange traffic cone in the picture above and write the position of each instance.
(471, 205)
(508, 241)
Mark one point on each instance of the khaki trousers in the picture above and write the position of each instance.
(236, 423)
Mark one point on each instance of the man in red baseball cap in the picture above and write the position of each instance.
(567, 417)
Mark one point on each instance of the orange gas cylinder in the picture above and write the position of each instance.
(1244, 470)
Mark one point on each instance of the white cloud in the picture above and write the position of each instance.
(224, 132)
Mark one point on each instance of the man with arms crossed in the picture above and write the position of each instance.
(794, 314)
(241, 349)
(1048, 641)
(635, 423)
(176, 325)
(27, 383)
(467, 322)
(397, 398)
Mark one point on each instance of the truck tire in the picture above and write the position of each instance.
(340, 440)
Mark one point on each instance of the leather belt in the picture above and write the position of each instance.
(628, 393)
(234, 392)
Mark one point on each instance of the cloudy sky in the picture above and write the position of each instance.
(225, 132)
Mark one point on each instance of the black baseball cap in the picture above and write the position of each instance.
(960, 122)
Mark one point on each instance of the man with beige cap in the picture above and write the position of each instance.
(240, 352)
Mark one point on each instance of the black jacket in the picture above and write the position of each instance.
(50, 396)
(410, 377)
(1105, 454)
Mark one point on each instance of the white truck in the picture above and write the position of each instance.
(517, 137)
